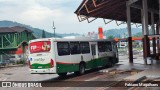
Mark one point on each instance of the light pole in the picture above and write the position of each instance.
(54, 28)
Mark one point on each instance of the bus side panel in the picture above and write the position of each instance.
(115, 50)
(75, 60)
(103, 59)
(107, 57)
(92, 59)
(87, 58)
(64, 63)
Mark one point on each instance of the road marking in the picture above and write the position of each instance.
(91, 79)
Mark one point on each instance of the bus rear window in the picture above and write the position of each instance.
(40, 46)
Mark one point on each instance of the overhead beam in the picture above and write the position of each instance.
(132, 1)
(94, 3)
(89, 21)
(98, 7)
(107, 22)
(149, 9)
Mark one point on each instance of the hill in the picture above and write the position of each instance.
(36, 31)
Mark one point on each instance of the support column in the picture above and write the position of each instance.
(2, 41)
(23, 51)
(142, 32)
(153, 33)
(157, 32)
(1, 57)
(146, 44)
(129, 34)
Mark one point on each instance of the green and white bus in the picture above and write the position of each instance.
(63, 55)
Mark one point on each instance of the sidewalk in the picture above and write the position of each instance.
(11, 65)
(150, 71)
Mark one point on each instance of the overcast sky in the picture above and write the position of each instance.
(41, 13)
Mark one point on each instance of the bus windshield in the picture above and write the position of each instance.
(40, 46)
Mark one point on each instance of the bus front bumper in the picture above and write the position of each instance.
(44, 71)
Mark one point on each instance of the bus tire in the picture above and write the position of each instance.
(76, 72)
(81, 68)
(62, 74)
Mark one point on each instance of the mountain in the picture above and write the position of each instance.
(36, 31)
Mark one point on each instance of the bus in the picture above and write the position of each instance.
(63, 55)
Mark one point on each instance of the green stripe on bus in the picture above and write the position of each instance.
(67, 68)
(90, 64)
(40, 66)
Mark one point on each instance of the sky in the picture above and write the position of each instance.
(42, 13)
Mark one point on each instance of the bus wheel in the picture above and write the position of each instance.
(109, 65)
(62, 74)
(82, 69)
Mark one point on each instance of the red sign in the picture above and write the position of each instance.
(41, 46)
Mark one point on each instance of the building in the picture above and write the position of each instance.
(14, 42)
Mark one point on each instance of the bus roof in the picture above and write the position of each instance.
(71, 39)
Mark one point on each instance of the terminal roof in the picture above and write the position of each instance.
(116, 9)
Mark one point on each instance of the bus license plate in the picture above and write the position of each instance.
(40, 67)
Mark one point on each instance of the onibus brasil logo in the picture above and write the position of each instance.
(20, 84)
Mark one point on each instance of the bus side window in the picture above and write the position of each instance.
(84, 46)
(104, 46)
(101, 47)
(63, 48)
(74, 47)
(108, 46)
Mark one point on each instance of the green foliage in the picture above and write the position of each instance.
(138, 34)
(119, 33)
(43, 34)
(110, 37)
(20, 62)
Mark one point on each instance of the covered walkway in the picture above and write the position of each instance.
(145, 12)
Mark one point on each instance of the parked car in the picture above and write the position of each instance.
(14, 58)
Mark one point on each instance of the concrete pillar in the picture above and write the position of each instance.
(153, 33)
(130, 51)
(23, 51)
(142, 23)
(142, 32)
(2, 41)
(1, 57)
(157, 32)
(146, 43)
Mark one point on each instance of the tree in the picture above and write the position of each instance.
(138, 34)
(43, 34)
(110, 37)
